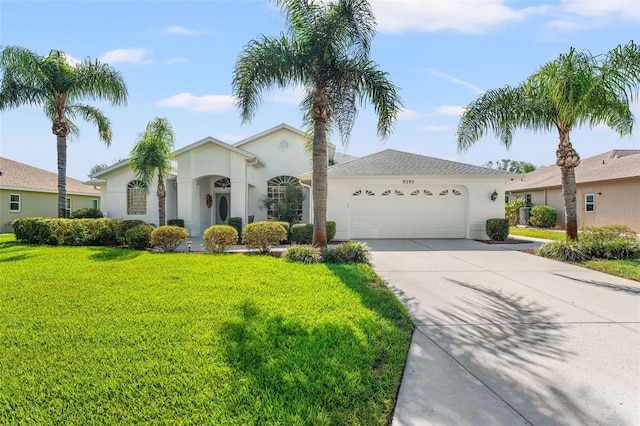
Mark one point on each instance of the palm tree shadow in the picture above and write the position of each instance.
(634, 291)
(106, 254)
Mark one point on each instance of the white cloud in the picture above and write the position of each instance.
(455, 80)
(292, 96)
(178, 30)
(629, 9)
(435, 129)
(207, 103)
(176, 60)
(450, 110)
(134, 55)
(409, 115)
(435, 15)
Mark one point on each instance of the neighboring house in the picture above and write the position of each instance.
(390, 194)
(608, 189)
(27, 191)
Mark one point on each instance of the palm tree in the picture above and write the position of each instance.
(326, 51)
(575, 89)
(56, 85)
(153, 153)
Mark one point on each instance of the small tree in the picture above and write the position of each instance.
(288, 205)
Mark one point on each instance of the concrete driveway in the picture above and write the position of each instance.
(505, 338)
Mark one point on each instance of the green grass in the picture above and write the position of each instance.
(623, 268)
(537, 233)
(94, 335)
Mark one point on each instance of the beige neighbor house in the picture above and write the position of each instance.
(608, 189)
(390, 194)
(27, 191)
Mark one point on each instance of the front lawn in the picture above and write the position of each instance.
(623, 268)
(94, 335)
(546, 234)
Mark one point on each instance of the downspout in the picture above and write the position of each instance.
(310, 201)
(246, 192)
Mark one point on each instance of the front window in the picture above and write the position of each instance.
(136, 198)
(14, 203)
(589, 203)
(94, 204)
(68, 207)
(276, 191)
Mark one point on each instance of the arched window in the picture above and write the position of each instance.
(276, 192)
(136, 198)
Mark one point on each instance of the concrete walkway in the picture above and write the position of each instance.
(505, 338)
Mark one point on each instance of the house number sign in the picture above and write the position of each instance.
(408, 181)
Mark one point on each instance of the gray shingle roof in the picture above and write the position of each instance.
(616, 164)
(17, 175)
(397, 163)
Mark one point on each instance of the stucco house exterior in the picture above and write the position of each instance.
(608, 189)
(27, 191)
(390, 194)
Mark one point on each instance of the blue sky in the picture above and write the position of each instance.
(177, 58)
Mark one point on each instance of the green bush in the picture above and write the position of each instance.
(176, 222)
(121, 226)
(139, 237)
(31, 230)
(512, 211)
(302, 233)
(53, 231)
(106, 236)
(168, 237)
(347, 252)
(236, 222)
(543, 216)
(303, 253)
(497, 229)
(601, 242)
(263, 235)
(287, 229)
(622, 249)
(331, 230)
(563, 250)
(218, 238)
(87, 213)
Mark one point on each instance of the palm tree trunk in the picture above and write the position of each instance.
(568, 159)
(162, 196)
(320, 115)
(60, 128)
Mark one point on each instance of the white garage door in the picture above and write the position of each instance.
(416, 212)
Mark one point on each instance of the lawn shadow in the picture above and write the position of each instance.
(15, 251)
(512, 346)
(634, 291)
(320, 374)
(108, 254)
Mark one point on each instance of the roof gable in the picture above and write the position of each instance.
(214, 141)
(16, 175)
(397, 163)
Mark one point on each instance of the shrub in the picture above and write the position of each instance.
(594, 241)
(72, 232)
(236, 222)
(543, 216)
(31, 230)
(497, 229)
(622, 249)
(168, 237)
(121, 226)
(87, 213)
(347, 252)
(287, 229)
(106, 236)
(303, 253)
(263, 235)
(176, 222)
(218, 238)
(331, 230)
(512, 211)
(139, 236)
(565, 251)
(302, 233)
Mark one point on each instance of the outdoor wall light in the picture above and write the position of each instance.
(189, 246)
(494, 196)
(598, 193)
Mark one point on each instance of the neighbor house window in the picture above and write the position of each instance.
(589, 203)
(527, 199)
(275, 191)
(67, 206)
(136, 198)
(94, 204)
(14, 203)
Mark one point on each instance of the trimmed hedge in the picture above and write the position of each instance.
(71, 232)
(168, 237)
(139, 237)
(218, 238)
(302, 233)
(87, 213)
(236, 222)
(497, 229)
(176, 222)
(263, 235)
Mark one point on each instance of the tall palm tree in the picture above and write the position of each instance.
(153, 153)
(55, 84)
(326, 50)
(573, 90)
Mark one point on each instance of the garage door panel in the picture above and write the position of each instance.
(431, 212)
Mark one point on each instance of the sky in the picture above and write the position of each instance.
(177, 59)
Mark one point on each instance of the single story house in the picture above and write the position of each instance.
(27, 191)
(608, 189)
(390, 194)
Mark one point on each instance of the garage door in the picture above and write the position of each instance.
(418, 212)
